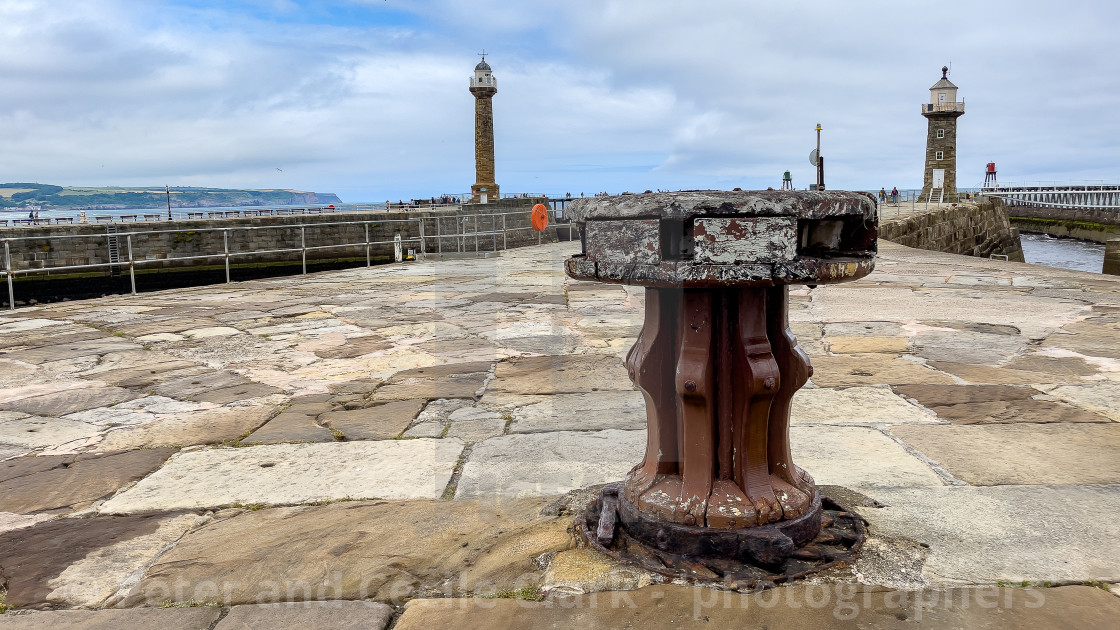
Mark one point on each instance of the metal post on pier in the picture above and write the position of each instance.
(476, 233)
(131, 264)
(423, 245)
(225, 250)
(494, 230)
(439, 235)
(8, 272)
(505, 236)
(303, 247)
(367, 244)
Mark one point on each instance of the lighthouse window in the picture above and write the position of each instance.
(940, 133)
(940, 155)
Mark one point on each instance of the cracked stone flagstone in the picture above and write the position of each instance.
(293, 473)
(380, 422)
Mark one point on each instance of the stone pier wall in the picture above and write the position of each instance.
(1102, 216)
(174, 251)
(973, 229)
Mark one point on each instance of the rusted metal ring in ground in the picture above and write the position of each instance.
(838, 543)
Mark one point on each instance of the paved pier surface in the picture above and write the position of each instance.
(407, 442)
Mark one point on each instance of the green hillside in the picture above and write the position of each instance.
(49, 197)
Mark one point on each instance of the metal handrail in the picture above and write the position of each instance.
(956, 106)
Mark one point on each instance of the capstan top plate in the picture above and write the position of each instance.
(712, 238)
(803, 204)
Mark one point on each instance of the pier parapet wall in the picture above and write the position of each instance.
(182, 245)
(1085, 223)
(973, 229)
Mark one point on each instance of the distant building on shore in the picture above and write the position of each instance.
(942, 111)
(484, 86)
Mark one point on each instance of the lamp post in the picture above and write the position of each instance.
(820, 161)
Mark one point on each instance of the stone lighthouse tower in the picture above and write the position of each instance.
(942, 111)
(484, 86)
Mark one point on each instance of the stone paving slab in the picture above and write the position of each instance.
(1036, 317)
(1016, 411)
(147, 375)
(22, 466)
(986, 374)
(857, 457)
(561, 375)
(69, 401)
(580, 412)
(355, 347)
(946, 395)
(852, 371)
(538, 464)
(165, 619)
(854, 405)
(471, 424)
(446, 369)
(812, 607)
(78, 483)
(381, 422)
(1066, 367)
(290, 426)
(35, 432)
(196, 384)
(293, 473)
(383, 551)
(973, 348)
(81, 561)
(210, 426)
(50, 339)
(866, 345)
(1103, 398)
(72, 350)
(979, 535)
(334, 615)
(449, 386)
(1021, 454)
(236, 393)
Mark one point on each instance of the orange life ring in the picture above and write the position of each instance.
(539, 217)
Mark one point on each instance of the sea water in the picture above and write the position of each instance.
(1066, 253)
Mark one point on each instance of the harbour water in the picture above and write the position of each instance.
(1066, 253)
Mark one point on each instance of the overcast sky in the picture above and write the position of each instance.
(368, 99)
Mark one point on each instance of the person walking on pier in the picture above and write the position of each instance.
(882, 194)
(894, 195)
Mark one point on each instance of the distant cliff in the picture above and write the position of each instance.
(50, 197)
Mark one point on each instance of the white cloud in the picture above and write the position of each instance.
(594, 95)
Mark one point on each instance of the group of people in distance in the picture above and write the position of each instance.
(883, 195)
